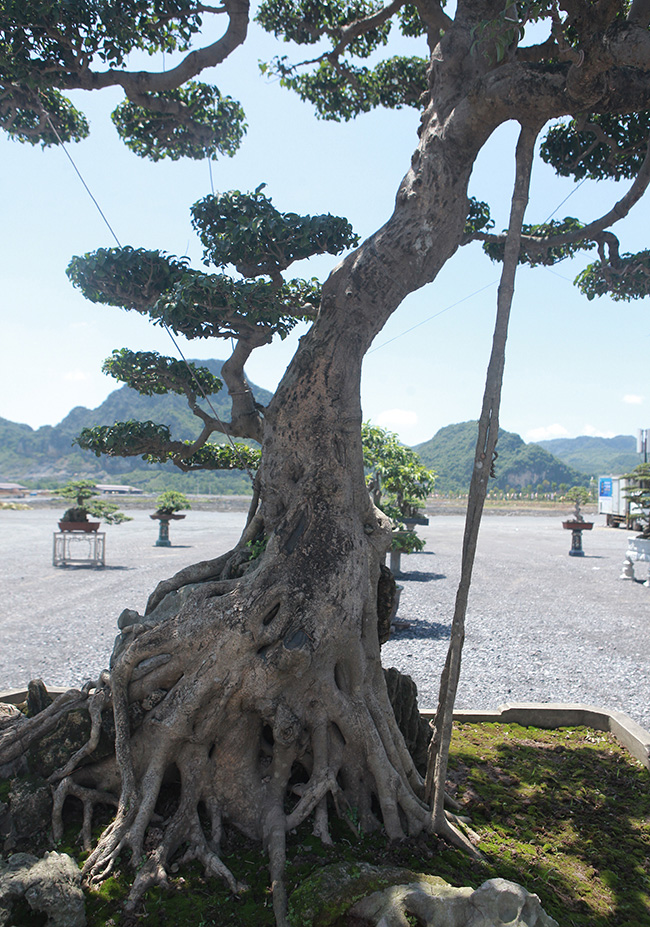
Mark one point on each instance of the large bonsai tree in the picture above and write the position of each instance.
(264, 693)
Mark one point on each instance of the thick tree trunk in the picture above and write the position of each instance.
(257, 683)
(262, 693)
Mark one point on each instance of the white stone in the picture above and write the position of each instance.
(497, 903)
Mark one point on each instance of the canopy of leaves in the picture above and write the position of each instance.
(153, 442)
(535, 253)
(78, 491)
(638, 493)
(152, 374)
(398, 482)
(51, 37)
(44, 118)
(338, 88)
(216, 306)
(403, 477)
(627, 279)
(246, 230)
(306, 21)
(609, 145)
(189, 302)
(343, 91)
(131, 278)
(172, 501)
(478, 217)
(49, 46)
(82, 494)
(205, 123)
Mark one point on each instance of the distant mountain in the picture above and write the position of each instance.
(596, 456)
(451, 454)
(47, 456)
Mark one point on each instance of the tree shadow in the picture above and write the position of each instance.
(415, 629)
(417, 577)
(73, 567)
(570, 822)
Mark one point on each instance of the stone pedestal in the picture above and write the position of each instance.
(163, 531)
(638, 551)
(576, 528)
(79, 548)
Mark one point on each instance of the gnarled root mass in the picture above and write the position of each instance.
(262, 696)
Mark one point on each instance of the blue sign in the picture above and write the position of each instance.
(605, 487)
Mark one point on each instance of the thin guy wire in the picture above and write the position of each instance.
(164, 324)
(487, 286)
(379, 346)
(435, 316)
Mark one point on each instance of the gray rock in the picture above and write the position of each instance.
(30, 807)
(128, 617)
(10, 715)
(496, 903)
(171, 604)
(38, 698)
(51, 886)
(131, 623)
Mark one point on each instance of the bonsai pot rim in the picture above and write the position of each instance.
(166, 516)
(578, 525)
(84, 526)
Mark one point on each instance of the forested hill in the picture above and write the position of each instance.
(596, 456)
(451, 454)
(46, 455)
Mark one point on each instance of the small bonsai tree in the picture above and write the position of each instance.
(638, 494)
(398, 483)
(170, 502)
(579, 495)
(82, 494)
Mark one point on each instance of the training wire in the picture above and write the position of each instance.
(199, 386)
(372, 351)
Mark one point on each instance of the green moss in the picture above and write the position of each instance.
(5, 788)
(323, 898)
(565, 813)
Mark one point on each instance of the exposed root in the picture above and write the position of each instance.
(89, 798)
(448, 831)
(17, 738)
(255, 710)
(96, 705)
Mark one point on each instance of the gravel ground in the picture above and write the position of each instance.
(541, 626)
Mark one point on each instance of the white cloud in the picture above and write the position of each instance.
(633, 400)
(394, 418)
(546, 433)
(592, 432)
(75, 376)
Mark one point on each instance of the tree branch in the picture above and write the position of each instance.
(360, 26)
(595, 229)
(139, 82)
(245, 416)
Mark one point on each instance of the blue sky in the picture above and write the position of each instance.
(573, 367)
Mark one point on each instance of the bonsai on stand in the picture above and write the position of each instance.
(638, 547)
(399, 484)
(82, 494)
(576, 523)
(168, 504)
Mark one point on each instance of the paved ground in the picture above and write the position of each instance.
(542, 626)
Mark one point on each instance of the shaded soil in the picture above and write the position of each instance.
(565, 813)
